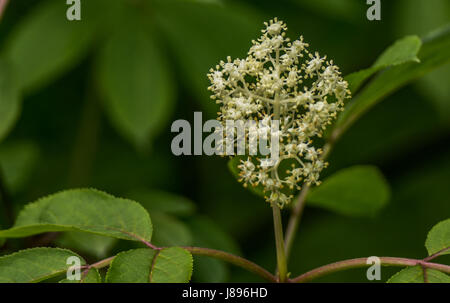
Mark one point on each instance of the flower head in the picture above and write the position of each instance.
(281, 80)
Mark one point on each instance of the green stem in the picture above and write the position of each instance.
(437, 254)
(277, 224)
(102, 263)
(362, 262)
(281, 256)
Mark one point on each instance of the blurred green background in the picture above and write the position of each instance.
(98, 96)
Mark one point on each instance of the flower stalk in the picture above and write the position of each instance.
(281, 256)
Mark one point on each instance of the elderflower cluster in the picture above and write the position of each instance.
(281, 80)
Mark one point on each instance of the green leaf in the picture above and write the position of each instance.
(439, 238)
(85, 210)
(354, 191)
(137, 87)
(144, 265)
(131, 266)
(415, 275)
(435, 52)
(172, 265)
(156, 200)
(94, 245)
(46, 44)
(92, 276)
(17, 162)
(9, 99)
(402, 51)
(35, 265)
(168, 231)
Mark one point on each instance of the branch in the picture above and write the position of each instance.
(103, 263)
(213, 253)
(218, 254)
(437, 254)
(3, 4)
(361, 262)
(233, 259)
(97, 265)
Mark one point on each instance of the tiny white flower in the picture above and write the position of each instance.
(274, 76)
